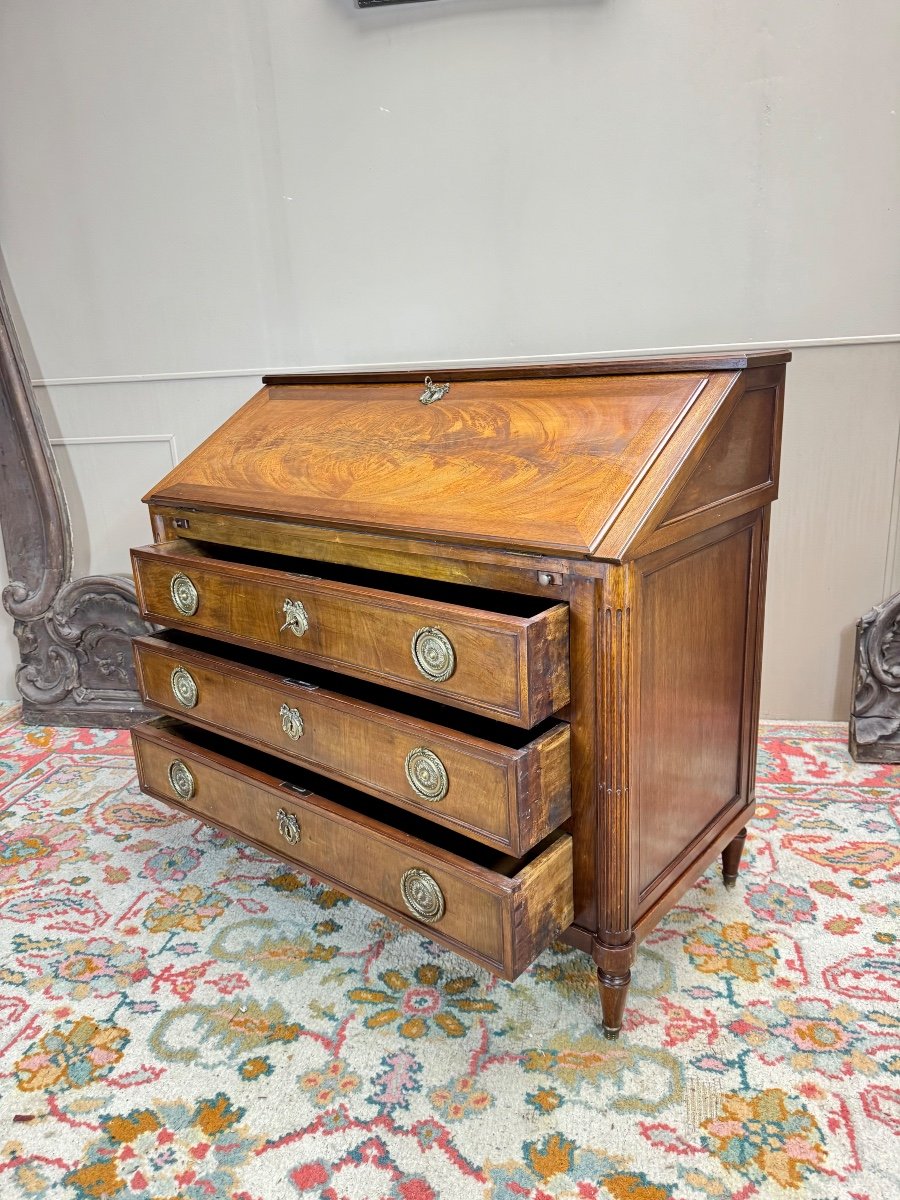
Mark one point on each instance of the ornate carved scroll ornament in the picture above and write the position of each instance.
(875, 715)
(74, 635)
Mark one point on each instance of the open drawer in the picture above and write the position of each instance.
(498, 784)
(495, 653)
(497, 910)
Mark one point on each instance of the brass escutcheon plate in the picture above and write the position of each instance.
(296, 618)
(291, 722)
(288, 826)
(422, 896)
(433, 391)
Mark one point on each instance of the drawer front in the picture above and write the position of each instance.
(499, 919)
(508, 798)
(512, 668)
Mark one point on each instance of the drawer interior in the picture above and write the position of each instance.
(299, 782)
(514, 604)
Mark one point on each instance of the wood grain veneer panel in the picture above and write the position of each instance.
(533, 463)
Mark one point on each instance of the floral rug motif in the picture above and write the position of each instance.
(183, 1017)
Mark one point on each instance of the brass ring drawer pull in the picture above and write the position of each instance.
(288, 826)
(181, 779)
(184, 687)
(433, 654)
(422, 896)
(184, 595)
(427, 775)
(296, 618)
(291, 722)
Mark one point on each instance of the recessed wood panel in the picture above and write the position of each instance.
(693, 632)
(739, 459)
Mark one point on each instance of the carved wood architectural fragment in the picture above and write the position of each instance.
(875, 715)
(74, 635)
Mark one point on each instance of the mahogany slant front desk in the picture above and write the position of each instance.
(482, 650)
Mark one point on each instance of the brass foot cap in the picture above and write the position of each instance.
(731, 884)
(611, 1035)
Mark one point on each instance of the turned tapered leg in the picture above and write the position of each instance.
(731, 859)
(613, 994)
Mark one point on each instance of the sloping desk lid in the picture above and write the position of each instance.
(541, 464)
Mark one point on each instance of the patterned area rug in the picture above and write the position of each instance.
(181, 1017)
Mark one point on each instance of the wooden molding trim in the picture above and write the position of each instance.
(873, 339)
(124, 439)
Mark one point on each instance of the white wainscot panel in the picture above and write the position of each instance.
(104, 479)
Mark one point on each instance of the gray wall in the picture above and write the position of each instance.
(193, 194)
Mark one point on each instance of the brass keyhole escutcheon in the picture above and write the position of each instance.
(296, 618)
(181, 779)
(288, 826)
(184, 595)
(422, 896)
(184, 687)
(291, 722)
(427, 775)
(433, 654)
(433, 391)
